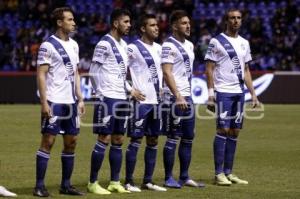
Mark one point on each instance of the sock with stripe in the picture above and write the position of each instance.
(67, 160)
(150, 160)
(97, 159)
(115, 161)
(169, 156)
(42, 158)
(229, 154)
(219, 152)
(185, 155)
(131, 154)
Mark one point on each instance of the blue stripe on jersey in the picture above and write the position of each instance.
(67, 61)
(234, 58)
(117, 54)
(151, 65)
(185, 56)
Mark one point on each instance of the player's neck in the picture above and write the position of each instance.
(62, 35)
(230, 33)
(146, 40)
(114, 33)
(179, 37)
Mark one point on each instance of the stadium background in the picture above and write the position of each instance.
(268, 148)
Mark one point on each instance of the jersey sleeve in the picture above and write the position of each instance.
(44, 54)
(248, 56)
(77, 52)
(101, 52)
(131, 52)
(212, 49)
(168, 53)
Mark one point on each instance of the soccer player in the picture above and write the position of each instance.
(227, 70)
(61, 100)
(5, 193)
(177, 62)
(144, 63)
(108, 74)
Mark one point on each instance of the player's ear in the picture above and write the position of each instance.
(116, 23)
(174, 26)
(143, 29)
(59, 22)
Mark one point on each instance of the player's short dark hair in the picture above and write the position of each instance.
(117, 13)
(225, 17)
(143, 20)
(176, 15)
(58, 14)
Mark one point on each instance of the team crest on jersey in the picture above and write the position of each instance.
(243, 46)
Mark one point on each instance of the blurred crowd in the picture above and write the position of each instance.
(271, 26)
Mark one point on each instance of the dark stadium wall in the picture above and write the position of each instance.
(276, 88)
(18, 88)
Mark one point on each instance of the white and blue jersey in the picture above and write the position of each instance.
(145, 77)
(112, 65)
(59, 87)
(146, 74)
(182, 63)
(226, 71)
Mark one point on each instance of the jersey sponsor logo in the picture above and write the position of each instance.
(210, 48)
(153, 71)
(166, 51)
(42, 50)
(103, 47)
(153, 80)
(123, 70)
(148, 57)
(70, 71)
(236, 63)
(166, 48)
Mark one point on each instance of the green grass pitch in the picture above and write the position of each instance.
(268, 156)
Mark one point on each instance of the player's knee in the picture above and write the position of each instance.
(70, 144)
(153, 141)
(104, 138)
(117, 139)
(234, 132)
(223, 131)
(47, 143)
